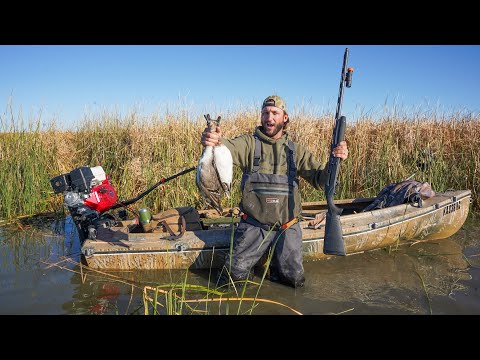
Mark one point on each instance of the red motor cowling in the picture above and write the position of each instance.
(102, 197)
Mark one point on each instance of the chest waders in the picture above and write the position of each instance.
(267, 200)
(271, 199)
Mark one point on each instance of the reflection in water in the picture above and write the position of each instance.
(27, 284)
(40, 274)
(403, 282)
(424, 278)
(93, 296)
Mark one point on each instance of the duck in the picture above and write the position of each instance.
(214, 171)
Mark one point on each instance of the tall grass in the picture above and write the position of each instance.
(28, 157)
(138, 150)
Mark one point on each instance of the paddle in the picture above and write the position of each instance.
(333, 241)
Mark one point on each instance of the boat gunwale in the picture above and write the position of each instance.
(421, 211)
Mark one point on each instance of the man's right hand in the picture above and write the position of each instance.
(211, 138)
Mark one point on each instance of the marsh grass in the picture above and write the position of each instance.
(137, 151)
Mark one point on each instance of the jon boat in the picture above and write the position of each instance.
(124, 247)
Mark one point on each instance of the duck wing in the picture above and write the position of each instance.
(223, 164)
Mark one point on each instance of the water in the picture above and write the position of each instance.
(40, 274)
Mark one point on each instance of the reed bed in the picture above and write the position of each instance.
(137, 150)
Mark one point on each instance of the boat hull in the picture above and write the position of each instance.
(438, 218)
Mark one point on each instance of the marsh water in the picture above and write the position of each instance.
(40, 274)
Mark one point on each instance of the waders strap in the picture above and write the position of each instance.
(255, 222)
(288, 224)
(257, 154)
(292, 168)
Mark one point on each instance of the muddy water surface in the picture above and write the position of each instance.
(39, 274)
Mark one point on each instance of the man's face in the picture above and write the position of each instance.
(273, 119)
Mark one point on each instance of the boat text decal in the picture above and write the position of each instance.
(451, 208)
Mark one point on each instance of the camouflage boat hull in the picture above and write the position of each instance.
(440, 217)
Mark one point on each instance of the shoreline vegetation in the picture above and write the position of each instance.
(136, 151)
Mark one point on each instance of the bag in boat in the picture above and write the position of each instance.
(400, 193)
(178, 220)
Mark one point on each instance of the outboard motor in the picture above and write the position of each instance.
(87, 193)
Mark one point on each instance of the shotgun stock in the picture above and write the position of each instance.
(333, 243)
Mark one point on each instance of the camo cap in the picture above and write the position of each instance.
(276, 101)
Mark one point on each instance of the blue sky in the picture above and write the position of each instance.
(66, 81)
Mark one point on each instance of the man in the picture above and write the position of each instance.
(270, 195)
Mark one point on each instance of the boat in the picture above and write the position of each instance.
(126, 247)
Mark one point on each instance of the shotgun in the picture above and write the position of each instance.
(333, 242)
